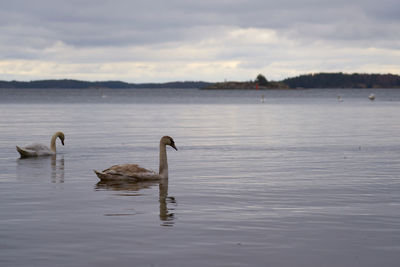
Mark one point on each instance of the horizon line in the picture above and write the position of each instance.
(194, 81)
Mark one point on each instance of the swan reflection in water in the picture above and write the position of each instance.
(33, 167)
(57, 169)
(167, 215)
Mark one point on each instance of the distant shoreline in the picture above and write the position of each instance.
(77, 84)
(319, 80)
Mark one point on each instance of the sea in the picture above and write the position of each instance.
(304, 177)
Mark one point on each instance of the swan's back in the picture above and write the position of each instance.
(34, 150)
(127, 171)
(37, 147)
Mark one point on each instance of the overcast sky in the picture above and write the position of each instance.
(209, 40)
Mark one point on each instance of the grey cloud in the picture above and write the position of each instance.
(104, 23)
(101, 31)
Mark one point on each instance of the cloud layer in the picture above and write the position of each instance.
(146, 41)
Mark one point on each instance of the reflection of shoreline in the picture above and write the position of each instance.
(166, 217)
(37, 167)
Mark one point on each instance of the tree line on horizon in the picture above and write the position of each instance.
(342, 80)
(318, 80)
(76, 84)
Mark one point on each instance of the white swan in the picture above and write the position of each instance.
(37, 150)
(132, 172)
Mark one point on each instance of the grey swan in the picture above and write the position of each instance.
(133, 172)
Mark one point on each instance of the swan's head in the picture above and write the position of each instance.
(168, 141)
(61, 136)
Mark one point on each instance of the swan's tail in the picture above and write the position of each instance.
(22, 152)
(100, 174)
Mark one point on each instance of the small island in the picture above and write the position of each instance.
(260, 83)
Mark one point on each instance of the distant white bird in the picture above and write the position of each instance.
(340, 99)
(37, 150)
(371, 97)
(133, 172)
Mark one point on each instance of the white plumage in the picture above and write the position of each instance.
(38, 150)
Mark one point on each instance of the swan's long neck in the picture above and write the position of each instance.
(163, 171)
(53, 142)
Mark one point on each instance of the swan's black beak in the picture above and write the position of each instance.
(173, 146)
(62, 141)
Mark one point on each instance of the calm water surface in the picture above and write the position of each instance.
(299, 180)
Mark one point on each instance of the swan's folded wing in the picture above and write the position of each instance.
(128, 170)
(37, 147)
